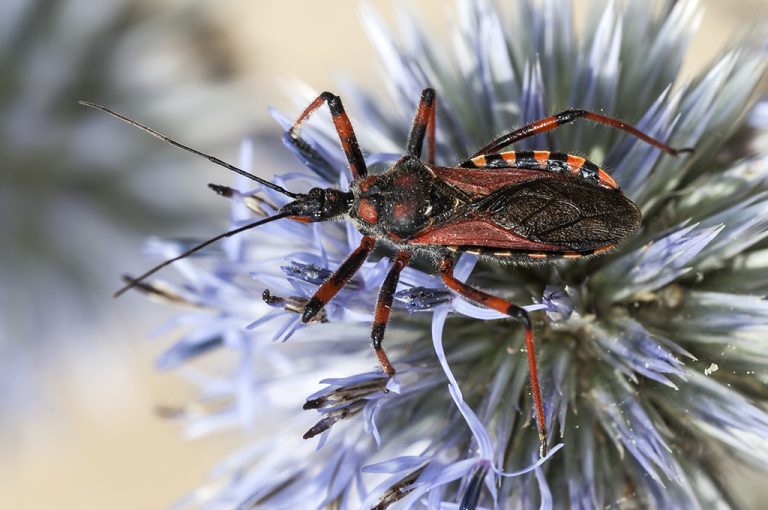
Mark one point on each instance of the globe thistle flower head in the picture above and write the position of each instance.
(651, 358)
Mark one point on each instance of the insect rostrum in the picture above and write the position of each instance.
(512, 205)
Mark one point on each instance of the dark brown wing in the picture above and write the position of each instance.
(545, 213)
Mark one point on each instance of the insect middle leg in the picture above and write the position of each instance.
(424, 124)
(567, 116)
(384, 306)
(343, 127)
(338, 279)
(514, 311)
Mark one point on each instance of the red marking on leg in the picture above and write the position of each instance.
(541, 126)
(532, 368)
(343, 128)
(619, 124)
(339, 278)
(314, 105)
(384, 307)
(423, 124)
(507, 308)
(565, 117)
(384, 363)
(349, 144)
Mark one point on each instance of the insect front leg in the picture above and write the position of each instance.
(565, 117)
(383, 308)
(343, 128)
(338, 279)
(516, 312)
(424, 124)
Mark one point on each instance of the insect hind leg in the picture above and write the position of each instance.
(517, 313)
(383, 308)
(566, 117)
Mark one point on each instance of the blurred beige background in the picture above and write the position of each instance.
(93, 441)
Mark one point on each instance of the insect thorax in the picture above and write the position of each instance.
(401, 202)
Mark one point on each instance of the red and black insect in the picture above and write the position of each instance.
(513, 205)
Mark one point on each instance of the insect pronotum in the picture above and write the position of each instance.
(511, 205)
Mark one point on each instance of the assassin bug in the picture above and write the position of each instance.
(531, 206)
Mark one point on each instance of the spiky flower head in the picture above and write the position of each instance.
(652, 358)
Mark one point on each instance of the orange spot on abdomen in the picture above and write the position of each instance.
(541, 157)
(606, 179)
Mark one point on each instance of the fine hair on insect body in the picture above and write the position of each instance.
(505, 206)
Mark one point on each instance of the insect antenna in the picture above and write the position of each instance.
(210, 158)
(133, 282)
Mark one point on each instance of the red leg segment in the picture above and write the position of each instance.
(424, 124)
(343, 128)
(514, 311)
(384, 306)
(338, 279)
(565, 117)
